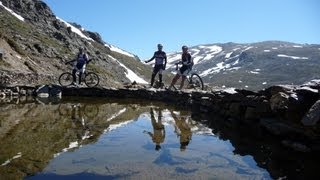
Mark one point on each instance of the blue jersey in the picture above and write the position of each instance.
(160, 56)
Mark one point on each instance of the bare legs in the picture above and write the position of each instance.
(175, 79)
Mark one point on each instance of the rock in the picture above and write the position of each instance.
(295, 146)
(38, 47)
(312, 117)
(273, 90)
(278, 128)
(279, 101)
(251, 114)
(263, 108)
(59, 36)
(55, 91)
(235, 110)
(307, 92)
(43, 91)
(1, 54)
(95, 36)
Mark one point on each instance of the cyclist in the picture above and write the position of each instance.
(184, 70)
(160, 65)
(79, 65)
(159, 132)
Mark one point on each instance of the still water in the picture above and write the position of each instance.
(105, 139)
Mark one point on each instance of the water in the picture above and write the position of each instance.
(103, 139)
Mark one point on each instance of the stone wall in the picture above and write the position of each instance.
(291, 113)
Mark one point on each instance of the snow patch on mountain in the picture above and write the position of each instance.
(296, 46)
(130, 74)
(266, 50)
(118, 50)
(254, 72)
(219, 67)
(12, 12)
(228, 55)
(210, 51)
(75, 30)
(246, 49)
(292, 57)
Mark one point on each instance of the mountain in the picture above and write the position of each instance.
(253, 66)
(35, 44)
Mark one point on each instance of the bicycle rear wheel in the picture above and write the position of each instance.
(196, 82)
(91, 79)
(65, 79)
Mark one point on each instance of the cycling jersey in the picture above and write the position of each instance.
(160, 56)
(186, 64)
(81, 62)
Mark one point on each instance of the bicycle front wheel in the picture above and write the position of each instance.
(196, 82)
(91, 79)
(65, 79)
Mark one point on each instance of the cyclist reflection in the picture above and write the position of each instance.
(182, 129)
(78, 121)
(158, 135)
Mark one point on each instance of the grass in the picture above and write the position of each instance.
(15, 46)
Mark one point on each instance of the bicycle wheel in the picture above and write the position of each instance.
(91, 110)
(65, 79)
(91, 79)
(196, 82)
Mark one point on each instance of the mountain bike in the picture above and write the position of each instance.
(194, 81)
(91, 79)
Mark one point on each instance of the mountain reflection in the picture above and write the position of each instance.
(32, 134)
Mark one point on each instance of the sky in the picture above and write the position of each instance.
(138, 26)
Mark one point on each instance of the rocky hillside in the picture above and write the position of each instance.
(254, 66)
(35, 44)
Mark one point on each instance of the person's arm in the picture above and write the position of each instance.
(87, 58)
(151, 58)
(165, 61)
(69, 62)
(189, 62)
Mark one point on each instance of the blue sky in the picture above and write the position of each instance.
(139, 25)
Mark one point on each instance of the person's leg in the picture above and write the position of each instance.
(174, 80)
(160, 76)
(81, 73)
(152, 78)
(80, 77)
(182, 82)
(74, 71)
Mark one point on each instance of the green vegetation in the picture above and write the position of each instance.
(4, 64)
(15, 46)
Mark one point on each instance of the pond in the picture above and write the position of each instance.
(113, 139)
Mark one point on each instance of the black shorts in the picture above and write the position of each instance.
(184, 70)
(158, 68)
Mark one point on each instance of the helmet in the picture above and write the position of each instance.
(160, 46)
(81, 49)
(184, 47)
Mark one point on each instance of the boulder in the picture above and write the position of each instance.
(279, 129)
(55, 91)
(296, 146)
(279, 101)
(312, 117)
(1, 54)
(43, 91)
(46, 91)
(273, 90)
(251, 114)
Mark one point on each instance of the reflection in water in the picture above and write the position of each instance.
(159, 132)
(182, 129)
(103, 140)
